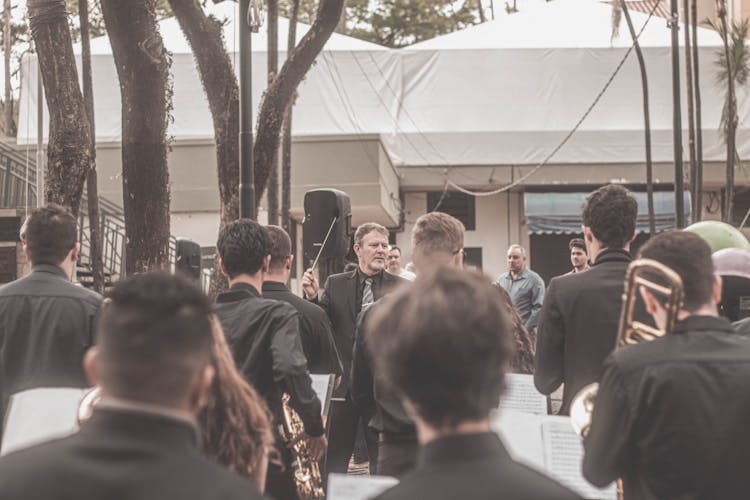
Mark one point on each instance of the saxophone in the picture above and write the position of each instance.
(307, 476)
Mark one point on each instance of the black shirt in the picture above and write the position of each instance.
(473, 467)
(123, 455)
(314, 328)
(742, 326)
(263, 335)
(671, 415)
(376, 401)
(46, 326)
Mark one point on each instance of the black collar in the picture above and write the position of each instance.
(613, 255)
(146, 427)
(238, 291)
(703, 323)
(461, 448)
(274, 286)
(49, 268)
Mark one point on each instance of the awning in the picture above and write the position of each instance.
(560, 213)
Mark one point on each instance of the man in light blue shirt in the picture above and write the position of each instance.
(525, 287)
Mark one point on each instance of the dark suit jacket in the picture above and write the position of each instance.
(314, 329)
(121, 455)
(341, 299)
(578, 325)
(473, 467)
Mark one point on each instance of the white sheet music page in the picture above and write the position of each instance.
(521, 395)
(521, 433)
(323, 387)
(563, 451)
(38, 415)
(345, 487)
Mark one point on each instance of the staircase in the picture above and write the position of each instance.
(18, 191)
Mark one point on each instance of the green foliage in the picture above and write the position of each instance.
(739, 58)
(397, 23)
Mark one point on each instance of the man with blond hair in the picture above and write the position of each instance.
(437, 241)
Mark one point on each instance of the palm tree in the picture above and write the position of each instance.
(619, 9)
(733, 70)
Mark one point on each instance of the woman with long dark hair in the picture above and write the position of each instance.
(235, 422)
(523, 359)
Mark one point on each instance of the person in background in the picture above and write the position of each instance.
(579, 256)
(235, 422)
(525, 287)
(447, 366)
(394, 264)
(523, 358)
(46, 322)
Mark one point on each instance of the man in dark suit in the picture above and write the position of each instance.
(314, 325)
(581, 311)
(447, 366)
(46, 322)
(670, 417)
(153, 365)
(343, 297)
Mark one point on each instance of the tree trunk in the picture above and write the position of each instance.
(206, 40)
(273, 69)
(482, 17)
(286, 145)
(731, 118)
(690, 109)
(698, 122)
(280, 93)
(646, 120)
(95, 236)
(8, 109)
(143, 69)
(68, 150)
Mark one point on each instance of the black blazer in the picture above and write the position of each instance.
(473, 467)
(342, 300)
(578, 325)
(121, 455)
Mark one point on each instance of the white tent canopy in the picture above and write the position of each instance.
(336, 77)
(505, 92)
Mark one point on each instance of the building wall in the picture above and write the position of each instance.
(499, 223)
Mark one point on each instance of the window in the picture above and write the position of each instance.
(459, 205)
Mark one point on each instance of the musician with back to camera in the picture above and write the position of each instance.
(437, 240)
(448, 368)
(579, 319)
(670, 417)
(152, 361)
(264, 338)
(343, 297)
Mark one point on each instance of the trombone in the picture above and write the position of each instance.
(658, 279)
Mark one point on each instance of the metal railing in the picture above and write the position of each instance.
(18, 174)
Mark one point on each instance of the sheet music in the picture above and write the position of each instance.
(522, 436)
(323, 387)
(345, 487)
(563, 451)
(521, 395)
(39, 415)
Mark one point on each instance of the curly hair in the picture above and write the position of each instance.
(235, 422)
(523, 359)
(610, 212)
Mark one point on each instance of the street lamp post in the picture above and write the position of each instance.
(247, 181)
(679, 187)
